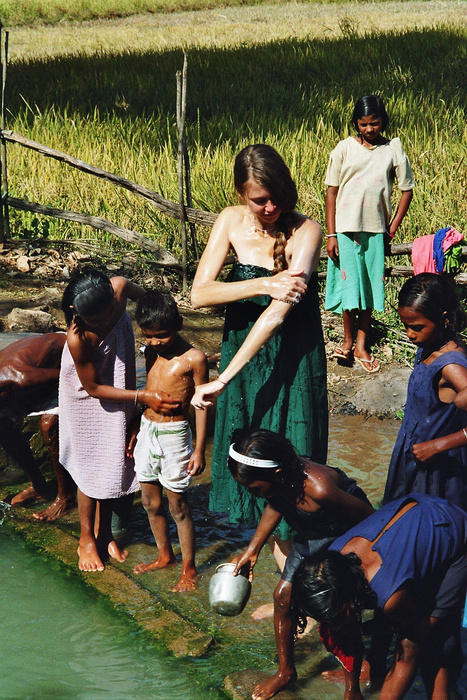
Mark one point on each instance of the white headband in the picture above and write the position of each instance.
(250, 461)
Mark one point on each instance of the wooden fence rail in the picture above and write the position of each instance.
(175, 210)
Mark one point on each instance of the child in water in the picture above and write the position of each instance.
(164, 456)
(360, 178)
(97, 401)
(430, 454)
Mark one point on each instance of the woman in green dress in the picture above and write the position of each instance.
(273, 365)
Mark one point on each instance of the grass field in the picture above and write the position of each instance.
(115, 107)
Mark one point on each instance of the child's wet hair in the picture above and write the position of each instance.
(262, 164)
(88, 294)
(370, 105)
(436, 298)
(325, 583)
(265, 444)
(158, 308)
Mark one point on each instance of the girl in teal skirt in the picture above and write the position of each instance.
(360, 178)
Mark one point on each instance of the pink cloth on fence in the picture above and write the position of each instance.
(450, 238)
(92, 433)
(422, 254)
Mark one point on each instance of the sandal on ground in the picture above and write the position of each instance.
(340, 354)
(367, 365)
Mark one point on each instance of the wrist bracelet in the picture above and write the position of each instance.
(465, 432)
(331, 235)
(136, 397)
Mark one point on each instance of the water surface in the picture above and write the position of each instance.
(58, 641)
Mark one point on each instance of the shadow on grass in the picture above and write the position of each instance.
(274, 87)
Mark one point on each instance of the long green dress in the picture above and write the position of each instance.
(282, 389)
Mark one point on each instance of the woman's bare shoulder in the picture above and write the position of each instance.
(232, 215)
(303, 225)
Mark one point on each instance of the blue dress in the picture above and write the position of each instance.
(425, 548)
(427, 418)
(282, 388)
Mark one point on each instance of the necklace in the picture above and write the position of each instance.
(269, 231)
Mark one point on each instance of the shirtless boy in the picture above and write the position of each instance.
(164, 456)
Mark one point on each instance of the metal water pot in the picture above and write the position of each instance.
(228, 594)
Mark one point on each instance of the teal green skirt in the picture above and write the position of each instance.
(356, 280)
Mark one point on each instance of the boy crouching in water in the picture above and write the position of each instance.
(164, 455)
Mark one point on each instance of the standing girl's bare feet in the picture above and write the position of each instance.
(117, 553)
(89, 559)
(26, 496)
(188, 579)
(185, 584)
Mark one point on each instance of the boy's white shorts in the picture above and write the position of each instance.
(162, 453)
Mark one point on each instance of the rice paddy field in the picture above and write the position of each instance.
(104, 90)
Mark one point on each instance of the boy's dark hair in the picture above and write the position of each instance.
(157, 308)
(436, 298)
(88, 294)
(370, 105)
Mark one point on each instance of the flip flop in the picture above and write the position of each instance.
(366, 364)
(341, 354)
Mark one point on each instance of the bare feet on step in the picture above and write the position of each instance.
(159, 563)
(117, 553)
(188, 579)
(185, 584)
(263, 612)
(58, 508)
(271, 686)
(26, 496)
(89, 559)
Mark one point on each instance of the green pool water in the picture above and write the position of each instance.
(58, 642)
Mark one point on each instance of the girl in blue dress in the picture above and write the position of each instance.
(430, 454)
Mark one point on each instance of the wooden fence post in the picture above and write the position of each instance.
(4, 213)
(186, 159)
(181, 111)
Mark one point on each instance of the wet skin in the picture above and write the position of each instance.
(174, 366)
(32, 365)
